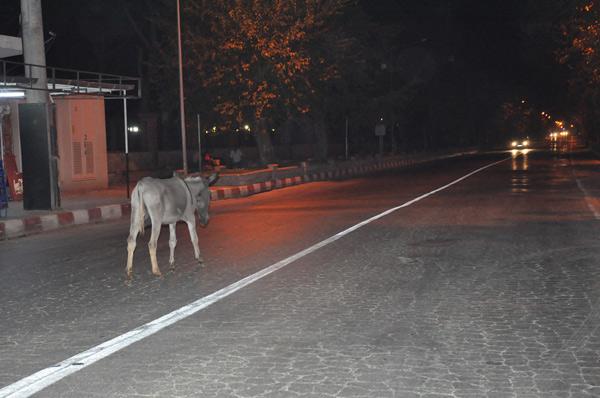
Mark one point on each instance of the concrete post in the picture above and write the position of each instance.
(34, 56)
(33, 49)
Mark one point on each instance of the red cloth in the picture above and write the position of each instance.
(15, 179)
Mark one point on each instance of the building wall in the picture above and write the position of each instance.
(81, 136)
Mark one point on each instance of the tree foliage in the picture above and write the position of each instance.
(580, 51)
(269, 55)
(314, 63)
(261, 61)
(518, 118)
(582, 41)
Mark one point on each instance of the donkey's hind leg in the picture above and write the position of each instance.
(131, 243)
(134, 229)
(172, 244)
(152, 247)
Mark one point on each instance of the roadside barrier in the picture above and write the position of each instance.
(13, 228)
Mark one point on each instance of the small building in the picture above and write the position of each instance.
(81, 138)
(78, 100)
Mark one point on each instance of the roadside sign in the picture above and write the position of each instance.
(380, 129)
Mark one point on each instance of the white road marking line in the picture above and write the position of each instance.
(46, 377)
(583, 189)
(588, 200)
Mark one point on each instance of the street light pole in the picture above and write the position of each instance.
(181, 97)
(392, 116)
(392, 119)
(346, 140)
(126, 134)
(199, 145)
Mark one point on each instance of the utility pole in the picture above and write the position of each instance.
(199, 144)
(346, 138)
(126, 133)
(181, 96)
(33, 49)
(38, 140)
(392, 116)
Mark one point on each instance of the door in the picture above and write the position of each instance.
(82, 141)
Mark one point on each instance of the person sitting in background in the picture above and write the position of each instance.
(207, 161)
(236, 157)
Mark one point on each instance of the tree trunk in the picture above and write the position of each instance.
(321, 139)
(263, 142)
(285, 136)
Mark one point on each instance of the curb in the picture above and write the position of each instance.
(36, 224)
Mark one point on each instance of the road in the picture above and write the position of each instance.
(487, 288)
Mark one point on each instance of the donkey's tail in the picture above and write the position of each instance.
(137, 209)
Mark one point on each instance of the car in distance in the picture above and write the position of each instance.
(520, 143)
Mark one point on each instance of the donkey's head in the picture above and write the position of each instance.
(201, 192)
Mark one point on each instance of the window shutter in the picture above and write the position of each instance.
(77, 159)
(89, 157)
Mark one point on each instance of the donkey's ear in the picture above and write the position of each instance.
(212, 179)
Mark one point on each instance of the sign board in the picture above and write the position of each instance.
(380, 129)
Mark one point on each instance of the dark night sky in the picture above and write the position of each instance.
(89, 35)
(501, 38)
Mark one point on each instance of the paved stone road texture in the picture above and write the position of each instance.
(490, 288)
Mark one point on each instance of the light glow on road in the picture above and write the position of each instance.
(46, 377)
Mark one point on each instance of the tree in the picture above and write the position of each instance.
(582, 39)
(261, 61)
(518, 117)
(155, 28)
(580, 51)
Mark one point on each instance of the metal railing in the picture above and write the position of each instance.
(18, 75)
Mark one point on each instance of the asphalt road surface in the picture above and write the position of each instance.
(487, 288)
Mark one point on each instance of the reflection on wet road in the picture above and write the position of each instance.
(519, 182)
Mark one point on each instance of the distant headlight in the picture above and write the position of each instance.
(514, 143)
(525, 143)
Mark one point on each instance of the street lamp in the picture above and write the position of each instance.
(181, 101)
(385, 67)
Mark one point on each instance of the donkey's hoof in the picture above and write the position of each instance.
(157, 273)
